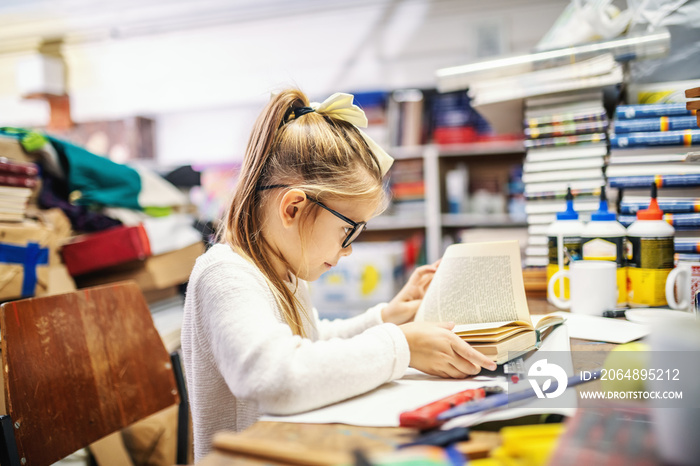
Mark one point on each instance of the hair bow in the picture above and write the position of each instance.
(340, 106)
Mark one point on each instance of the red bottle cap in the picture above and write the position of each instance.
(652, 212)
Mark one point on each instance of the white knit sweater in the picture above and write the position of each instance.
(241, 358)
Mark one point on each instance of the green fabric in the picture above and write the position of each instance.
(97, 180)
(31, 140)
(154, 211)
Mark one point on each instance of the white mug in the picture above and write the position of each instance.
(686, 279)
(592, 287)
(674, 348)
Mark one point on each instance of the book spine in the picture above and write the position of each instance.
(555, 195)
(675, 206)
(663, 123)
(686, 137)
(565, 140)
(628, 112)
(679, 221)
(456, 135)
(18, 180)
(660, 180)
(690, 257)
(562, 175)
(560, 195)
(683, 221)
(13, 167)
(566, 129)
(564, 119)
(687, 245)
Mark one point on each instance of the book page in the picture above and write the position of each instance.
(477, 283)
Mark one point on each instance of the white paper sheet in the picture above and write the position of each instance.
(603, 329)
(382, 406)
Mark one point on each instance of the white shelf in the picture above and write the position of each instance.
(394, 222)
(486, 220)
(481, 148)
(451, 150)
(433, 220)
(407, 152)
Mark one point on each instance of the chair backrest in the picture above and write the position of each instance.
(80, 366)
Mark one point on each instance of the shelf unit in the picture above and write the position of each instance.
(435, 221)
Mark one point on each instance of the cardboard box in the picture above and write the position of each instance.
(24, 262)
(62, 230)
(104, 249)
(47, 231)
(153, 273)
(59, 280)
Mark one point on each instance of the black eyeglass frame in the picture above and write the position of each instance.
(357, 227)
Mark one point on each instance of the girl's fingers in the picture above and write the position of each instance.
(463, 370)
(473, 356)
(422, 270)
(465, 366)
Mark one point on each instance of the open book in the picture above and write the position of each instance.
(479, 287)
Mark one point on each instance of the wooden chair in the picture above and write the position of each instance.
(80, 366)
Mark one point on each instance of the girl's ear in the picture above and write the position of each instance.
(290, 206)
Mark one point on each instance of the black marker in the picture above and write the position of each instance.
(614, 313)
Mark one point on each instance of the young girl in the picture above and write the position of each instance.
(251, 339)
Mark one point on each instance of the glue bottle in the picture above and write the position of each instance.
(604, 238)
(564, 242)
(649, 256)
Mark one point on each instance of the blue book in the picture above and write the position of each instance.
(679, 221)
(645, 181)
(669, 205)
(687, 245)
(628, 112)
(655, 124)
(677, 257)
(686, 137)
(454, 110)
(370, 99)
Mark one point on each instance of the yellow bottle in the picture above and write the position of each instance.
(649, 256)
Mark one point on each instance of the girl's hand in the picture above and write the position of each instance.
(403, 307)
(436, 350)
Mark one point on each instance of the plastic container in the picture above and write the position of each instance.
(649, 256)
(564, 243)
(604, 238)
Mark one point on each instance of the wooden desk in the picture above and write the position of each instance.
(345, 439)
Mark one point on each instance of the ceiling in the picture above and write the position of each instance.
(23, 23)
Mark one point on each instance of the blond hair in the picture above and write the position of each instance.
(326, 158)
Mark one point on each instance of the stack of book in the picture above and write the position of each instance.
(566, 142)
(592, 73)
(17, 182)
(407, 185)
(646, 125)
(649, 144)
(454, 120)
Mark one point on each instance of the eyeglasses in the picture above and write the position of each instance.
(352, 233)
